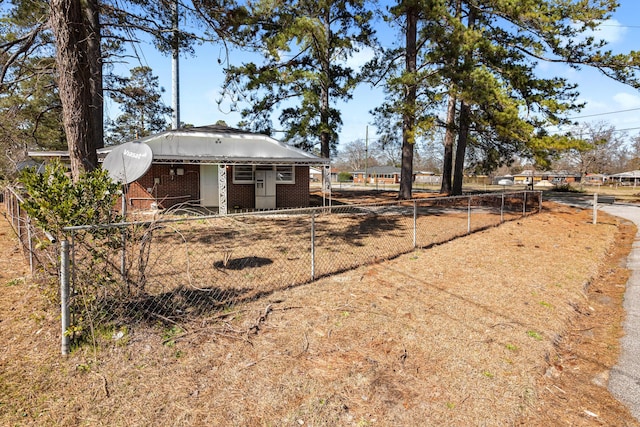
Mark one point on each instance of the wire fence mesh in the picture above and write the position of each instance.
(39, 246)
(187, 269)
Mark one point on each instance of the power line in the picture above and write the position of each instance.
(619, 26)
(604, 114)
(626, 129)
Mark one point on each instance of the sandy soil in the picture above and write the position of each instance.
(515, 325)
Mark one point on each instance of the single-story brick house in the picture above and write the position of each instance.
(222, 168)
(377, 174)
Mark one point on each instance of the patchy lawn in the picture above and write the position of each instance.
(515, 325)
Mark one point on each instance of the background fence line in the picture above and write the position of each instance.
(32, 239)
(175, 271)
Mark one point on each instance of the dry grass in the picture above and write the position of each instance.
(508, 326)
(197, 267)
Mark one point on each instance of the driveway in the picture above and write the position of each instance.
(624, 379)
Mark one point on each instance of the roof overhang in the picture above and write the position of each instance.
(213, 145)
(630, 174)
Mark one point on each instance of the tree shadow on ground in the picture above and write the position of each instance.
(180, 304)
(367, 226)
(242, 263)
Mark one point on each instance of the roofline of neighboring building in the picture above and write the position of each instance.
(391, 169)
(59, 154)
(630, 174)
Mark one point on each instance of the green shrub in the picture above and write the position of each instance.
(54, 201)
(565, 187)
(345, 177)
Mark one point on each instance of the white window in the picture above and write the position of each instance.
(285, 174)
(243, 174)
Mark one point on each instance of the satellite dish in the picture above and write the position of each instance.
(128, 162)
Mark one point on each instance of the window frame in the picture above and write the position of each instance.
(291, 171)
(236, 180)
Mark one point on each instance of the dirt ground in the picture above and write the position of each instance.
(515, 325)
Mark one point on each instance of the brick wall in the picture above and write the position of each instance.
(294, 195)
(167, 188)
(240, 196)
(171, 189)
(243, 196)
(139, 198)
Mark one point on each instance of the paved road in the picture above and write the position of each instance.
(624, 379)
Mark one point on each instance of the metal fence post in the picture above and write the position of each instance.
(29, 238)
(415, 224)
(16, 218)
(502, 209)
(64, 295)
(19, 222)
(595, 208)
(539, 201)
(313, 245)
(524, 203)
(469, 215)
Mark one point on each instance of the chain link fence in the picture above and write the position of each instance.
(39, 247)
(174, 271)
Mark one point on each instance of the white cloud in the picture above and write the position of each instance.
(610, 31)
(627, 100)
(594, 107)
(364, 55)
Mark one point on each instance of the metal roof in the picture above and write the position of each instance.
(214, 144)
(222, 145)
(630, 174)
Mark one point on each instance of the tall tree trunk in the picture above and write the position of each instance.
(325, 135)
(465, 112)
(94, 55)
(449, 139)
(461, 148)
(72, 33)
(409, 115)
(450, 132)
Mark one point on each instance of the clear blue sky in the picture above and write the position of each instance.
(201, 78)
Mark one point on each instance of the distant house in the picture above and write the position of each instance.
(626, 178)
(594, 179)
(528, 177)
(315, 174)
(220, 167)
(427, 177)
(377, 174)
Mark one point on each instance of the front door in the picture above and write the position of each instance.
(209, 185)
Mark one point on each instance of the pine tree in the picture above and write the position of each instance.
(504, 42)
(30, 109)
(77, 31)
(140, 100)
(481, 58)
(305, 44)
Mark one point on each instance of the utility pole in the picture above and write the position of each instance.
(175, 70)
(366, 153)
